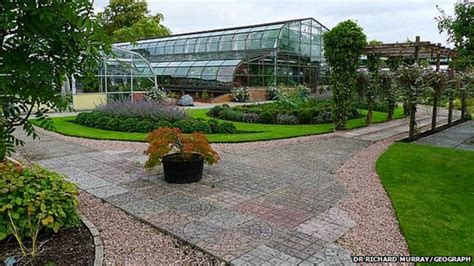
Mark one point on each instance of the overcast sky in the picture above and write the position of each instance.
(388, 21)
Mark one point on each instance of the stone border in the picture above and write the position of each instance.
(99, 247)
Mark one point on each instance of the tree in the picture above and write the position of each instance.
(41, 42)
(373, 66)
(145, 28)
(459, 29)
(343, 46)
(130, 20)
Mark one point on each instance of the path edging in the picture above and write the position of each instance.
(98, 245)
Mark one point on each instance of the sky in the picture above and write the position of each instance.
(387, 21)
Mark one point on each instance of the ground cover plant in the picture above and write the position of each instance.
(245, 131)
(34, 201)
(145, 116)
(431, 191)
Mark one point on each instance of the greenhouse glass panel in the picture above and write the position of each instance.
(213, 44)
(169, 71)
(195, 72)
(189, 46)
(239, 41)
(254, 40)
(182, 72)
(169, 47)
(225, 74)
(201, 45)
(225, 43)
(209, 73)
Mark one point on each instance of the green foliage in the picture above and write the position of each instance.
(273, 93)
(98, 119)
(300, 112)
(240, 94)
(64, 38)
(459, 30)
(147, 27)
(205, 95)
(129, 20)
(32, 195)
(343, 46)
(266, 117)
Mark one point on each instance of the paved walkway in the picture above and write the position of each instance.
(269, 205)
(458, 137)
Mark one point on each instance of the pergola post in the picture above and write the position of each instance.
(435, 93)
(452, 74)
(411, 103)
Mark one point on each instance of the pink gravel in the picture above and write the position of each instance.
(377, 231)
(128, 241)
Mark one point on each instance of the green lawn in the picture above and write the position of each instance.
(247, 131)
(432, 190)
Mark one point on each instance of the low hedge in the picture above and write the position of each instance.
(97, 119)
(310, 112)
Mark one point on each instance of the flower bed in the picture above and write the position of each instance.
(311, 111)
(146, 116)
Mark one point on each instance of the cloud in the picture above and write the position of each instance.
(388, 21)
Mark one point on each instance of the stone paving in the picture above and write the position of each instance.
(457, 137)
(273, 205)
(268, 206)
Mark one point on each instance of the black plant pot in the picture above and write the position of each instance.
(182, 171)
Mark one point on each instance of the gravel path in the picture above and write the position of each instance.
(128, 241)
(377, 231)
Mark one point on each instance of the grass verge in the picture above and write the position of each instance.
(247, 131)
(432, 190)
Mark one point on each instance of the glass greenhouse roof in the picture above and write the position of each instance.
(220, 70)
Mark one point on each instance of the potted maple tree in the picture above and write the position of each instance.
(182, 155)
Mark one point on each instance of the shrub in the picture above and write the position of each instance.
(273, 93)
(145, 126)
(225, 127)
(240, 94)
(216, 111)
(324, 117)
(193, 125)
(266, 117)
(103, 122)
(231, 114)
(129, 125)
(142, 109)
(213, 124)
(164, 141)
(155, 94)
(286, 119)
(305, 116)
(251, 118)
(33, 198)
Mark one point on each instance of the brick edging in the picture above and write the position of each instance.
(99, 247)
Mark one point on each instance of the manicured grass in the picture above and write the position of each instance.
(432, 190)
(247, 131)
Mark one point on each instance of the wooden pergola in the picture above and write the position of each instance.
(413, 50)
(416, 50)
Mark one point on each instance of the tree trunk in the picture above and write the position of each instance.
(391, 109)
(463, 106)
(412, 121)
(450, 112)
(406, 108)
(370, 107)
(435, 111)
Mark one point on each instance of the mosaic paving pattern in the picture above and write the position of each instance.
(268, 206)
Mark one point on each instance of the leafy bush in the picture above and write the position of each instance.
(266, 118)
(142, 109)
(273, 93)
(32, 198)
(158, 95)
(305, 116)
(193, 125)
(231, 114)
(324, 117)
(145, 125)
(286, 119)
(165, 141)
(240, 94)
(251, 118)
(225, 127)
(216, 111)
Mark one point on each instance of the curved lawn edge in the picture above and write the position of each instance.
(432, 202)
(255, 132)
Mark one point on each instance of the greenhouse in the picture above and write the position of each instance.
(288, 52)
